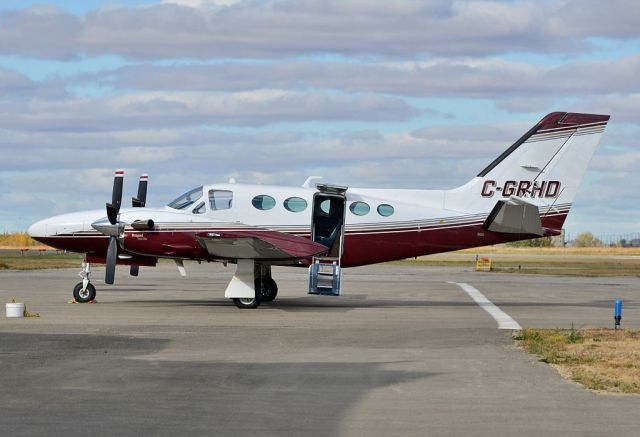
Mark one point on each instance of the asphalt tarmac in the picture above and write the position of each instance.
(405, 351)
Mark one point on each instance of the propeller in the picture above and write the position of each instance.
(113, 229)
(112, 255)
(113, 208)
(139, 202)
(141, 199)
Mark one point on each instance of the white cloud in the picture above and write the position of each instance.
(149, 109)
(475, 78)
(280, 29)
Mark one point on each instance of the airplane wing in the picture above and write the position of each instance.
(259, 244)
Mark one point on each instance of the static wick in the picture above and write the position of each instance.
(618, 313)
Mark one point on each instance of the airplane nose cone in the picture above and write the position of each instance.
(38, 229)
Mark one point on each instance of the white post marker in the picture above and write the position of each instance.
(504, 320)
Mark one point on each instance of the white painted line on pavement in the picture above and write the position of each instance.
(504, 320)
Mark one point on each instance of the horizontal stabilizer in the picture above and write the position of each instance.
(514, 216)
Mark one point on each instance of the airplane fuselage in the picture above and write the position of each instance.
(417, 222)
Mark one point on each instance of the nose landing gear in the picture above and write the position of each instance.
(84, 291)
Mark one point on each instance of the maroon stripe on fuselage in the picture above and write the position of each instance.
(78, 243)
(360, 248)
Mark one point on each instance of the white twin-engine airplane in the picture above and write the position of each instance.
(525, 193)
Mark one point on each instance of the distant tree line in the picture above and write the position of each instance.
(534, 242)
(583, 239)
(586, 239)
(17, 239)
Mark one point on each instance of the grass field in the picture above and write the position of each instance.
(547, 261)
(555, 251)
(31, 261)
(600, 359)
(524, 265)
(592, 261)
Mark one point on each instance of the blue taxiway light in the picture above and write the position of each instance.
(618, 313)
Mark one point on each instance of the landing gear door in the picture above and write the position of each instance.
(327, 228)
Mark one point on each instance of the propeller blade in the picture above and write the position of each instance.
(112, 255)
(134, 270)
(141, 199)
(113, 208)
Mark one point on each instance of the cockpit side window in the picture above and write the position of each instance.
(220, 199)
(187, 199)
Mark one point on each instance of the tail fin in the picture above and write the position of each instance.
(544, 168)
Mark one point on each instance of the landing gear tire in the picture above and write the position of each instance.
(84, 296)
(268, 289)
(247, 302)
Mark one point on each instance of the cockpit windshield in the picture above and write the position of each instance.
(187, 199)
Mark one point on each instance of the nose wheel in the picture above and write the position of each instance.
(84, 291)
(84, 294)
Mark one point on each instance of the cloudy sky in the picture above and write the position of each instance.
(394, 93)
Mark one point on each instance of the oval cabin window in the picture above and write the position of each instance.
(359, 208)
(385, 210)
(263, 202)
(295, 204)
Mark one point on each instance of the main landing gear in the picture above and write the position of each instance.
(84, 291)
(251, 285)
(267, 287)
(266, 290)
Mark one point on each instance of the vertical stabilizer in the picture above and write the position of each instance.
(543, 168)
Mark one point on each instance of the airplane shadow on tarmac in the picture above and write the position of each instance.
(92, 384)
(346, 304)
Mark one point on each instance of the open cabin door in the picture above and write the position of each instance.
(327, 228)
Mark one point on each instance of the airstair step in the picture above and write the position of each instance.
(324, 277)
